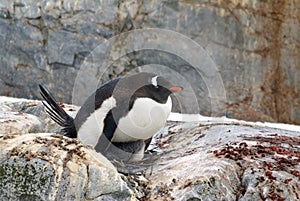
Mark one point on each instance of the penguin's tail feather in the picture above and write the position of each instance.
(58, 114)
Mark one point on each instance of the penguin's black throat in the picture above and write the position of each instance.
(158, 94)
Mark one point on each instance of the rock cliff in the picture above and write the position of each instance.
(253, 44)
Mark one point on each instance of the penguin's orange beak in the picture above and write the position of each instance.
(175, 88)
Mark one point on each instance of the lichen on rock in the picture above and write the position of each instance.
(51, 167)
(205, 160)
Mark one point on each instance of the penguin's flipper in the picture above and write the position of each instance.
(57, 114)
(108, 131)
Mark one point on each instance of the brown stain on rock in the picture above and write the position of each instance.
(283, 150)
(277, 94)
(276, 97)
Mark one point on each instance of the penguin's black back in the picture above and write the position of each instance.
(95, 101)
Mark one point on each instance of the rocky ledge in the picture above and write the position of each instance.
(187, 161)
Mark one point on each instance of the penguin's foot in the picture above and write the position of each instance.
(129, 168)
(130, 157)
(136, 166)
(126, 151)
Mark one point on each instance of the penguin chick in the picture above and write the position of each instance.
(121, 115)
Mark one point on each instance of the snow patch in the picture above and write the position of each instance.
(199, 118)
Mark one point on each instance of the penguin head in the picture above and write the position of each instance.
(153, 86)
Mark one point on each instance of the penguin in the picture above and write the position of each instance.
(120, 118)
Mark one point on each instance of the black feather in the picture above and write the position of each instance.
(108, 132)
(57, 114)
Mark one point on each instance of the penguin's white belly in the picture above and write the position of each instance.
(144, 119)
(92, 128)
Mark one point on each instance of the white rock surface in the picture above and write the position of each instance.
(204, 159)
(225, 162)
(15, 122)
(51, 167)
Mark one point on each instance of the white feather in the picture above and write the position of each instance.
(144, 119)
(154, 81)
(92, 128)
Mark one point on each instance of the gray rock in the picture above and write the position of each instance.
(33, 109)
(204, 160)
(211, 161)
(279, 184)
(44, 166)
(16, 122)
(51, 167)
